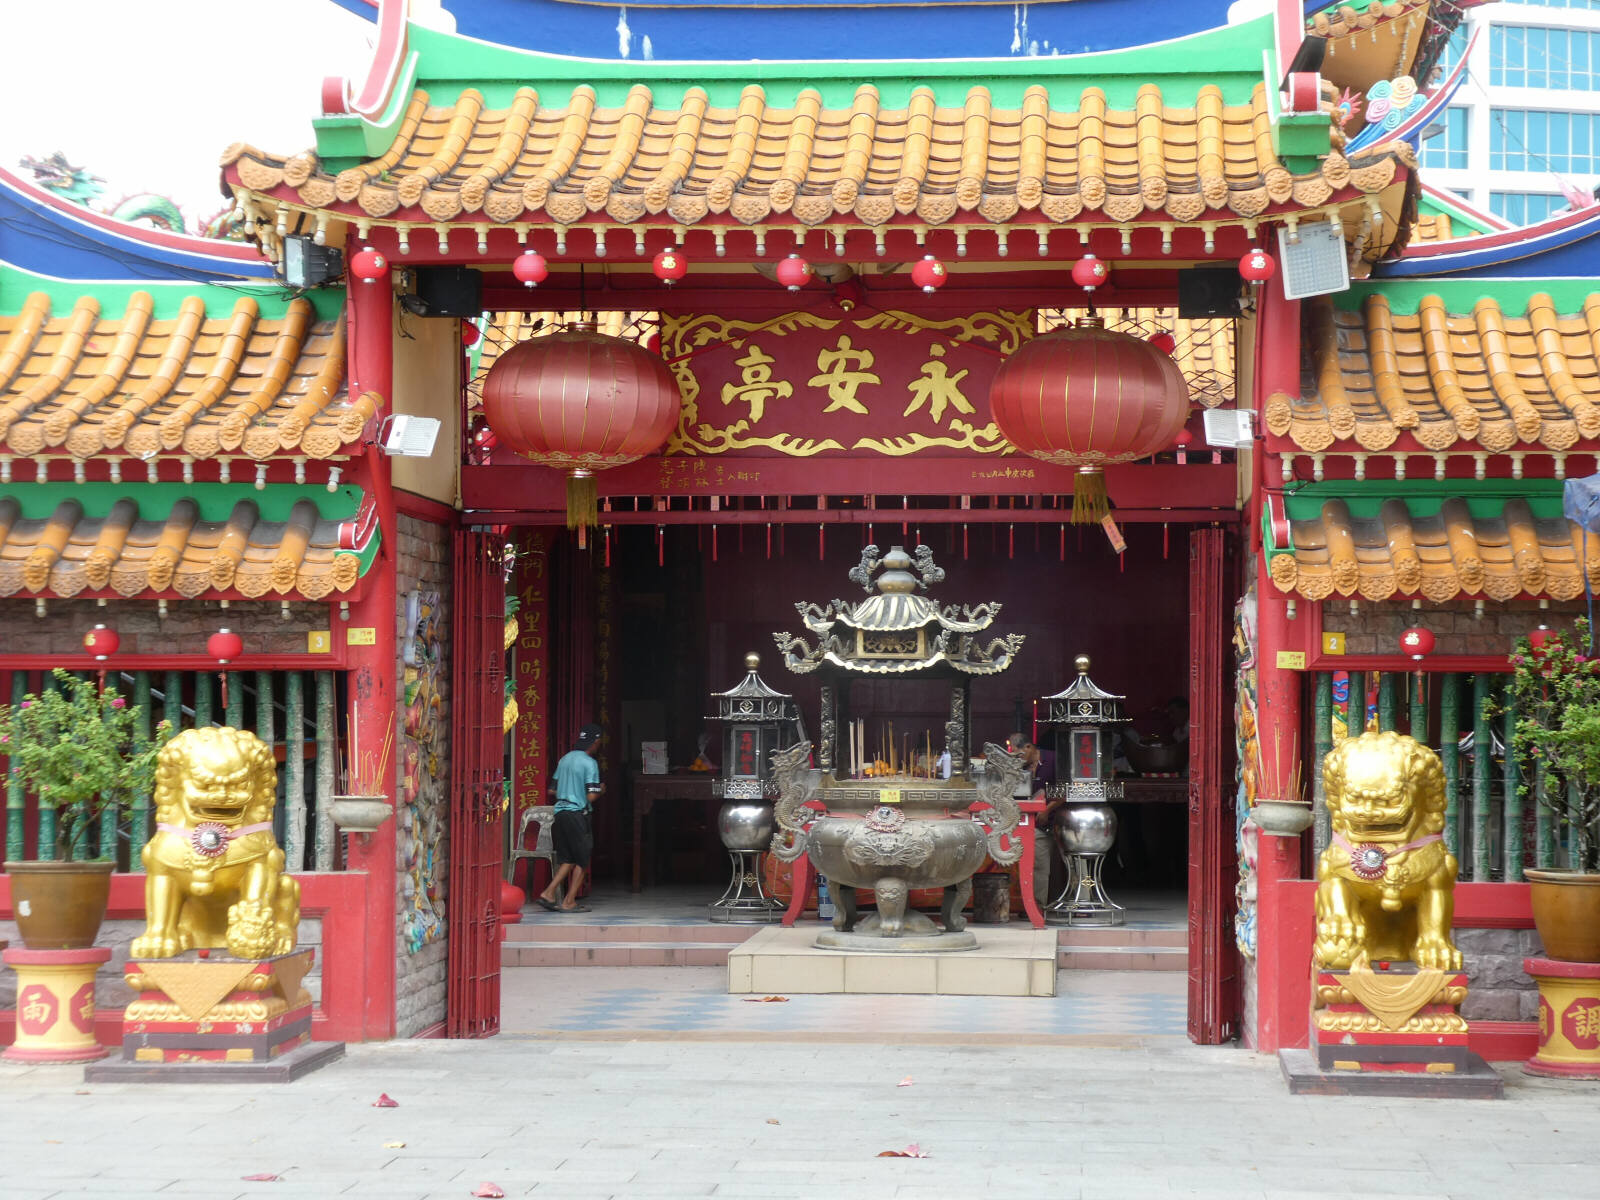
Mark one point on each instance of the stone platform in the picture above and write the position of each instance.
(1007, 962)
(1478, 1081)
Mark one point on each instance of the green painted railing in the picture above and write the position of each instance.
(1493, 830)
(272, 704)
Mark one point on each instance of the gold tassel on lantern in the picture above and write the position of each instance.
(1090, 504)
(583, 505)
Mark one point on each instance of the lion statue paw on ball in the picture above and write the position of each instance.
(1385, 885)
(213, 872)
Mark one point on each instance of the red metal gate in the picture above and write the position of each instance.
(477, 775)
(1213, 958)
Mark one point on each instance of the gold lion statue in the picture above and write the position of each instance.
(213, 871)
(1385, 883)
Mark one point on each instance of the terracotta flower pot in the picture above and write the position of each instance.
(59, 905)
(1566, 912)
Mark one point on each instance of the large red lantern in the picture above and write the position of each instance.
(1417, 642)
(530, 268)
(368, 265)
(224, 645)
(580, 402)
(670, 266)
(102, 642)
(929, 274)
(1087, 397)
(793, 272)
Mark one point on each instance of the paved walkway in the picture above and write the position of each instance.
(798, 1102)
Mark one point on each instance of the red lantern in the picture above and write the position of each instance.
(1417, 642)
(224, 645)
(929, 274)
(1089, 272)
(469, 334)
(531, 268)
(670, 266)
(1163, 341)
(1257, 266)
(1087, 397)
(102, 642)
(580, 402)
(794, 272)
(1183, 439)
(1540, 641)
(368, 265)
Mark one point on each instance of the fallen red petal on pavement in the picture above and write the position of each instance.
(490, 1190)
(383, 1101)
(264, 1177)
(766, 999)
(911, 1151)
(906, 1082)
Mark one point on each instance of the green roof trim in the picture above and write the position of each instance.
(16, 285)
(216, 500)
(348, 139)
(1486, 498)
(1229, 56)
(1460, 295)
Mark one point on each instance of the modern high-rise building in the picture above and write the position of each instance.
(1527, 119)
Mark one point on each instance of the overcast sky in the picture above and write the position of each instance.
(147, 93)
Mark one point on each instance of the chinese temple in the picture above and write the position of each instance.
(583, 340)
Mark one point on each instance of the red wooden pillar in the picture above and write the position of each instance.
(1283, 969)
(370, 635)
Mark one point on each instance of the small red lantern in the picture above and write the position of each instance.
(1163, 341)
(531, 268)
(102, 642)
(1257, 266)
(1540, 640)
(1417, 642)
(929, 274)
(469, 334)
(670, 266)
(224, 645)
(1182, 441)
(794, 272)
(368, 265)
(1089, 272)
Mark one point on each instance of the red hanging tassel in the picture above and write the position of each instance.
(1166, 539)
(661, 545)
(583, 537)
(822, 543)
(1063, 543)
(713, 543)
(769, 539)
(608, 546)
(963, 543)
(1011, 541)
(1122, 561)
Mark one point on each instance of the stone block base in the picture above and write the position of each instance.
(1476, 1080)
(285, 1068)
(1006, 962)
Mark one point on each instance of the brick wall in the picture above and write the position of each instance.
(422, 839)
(262, 625)
(1376, 628)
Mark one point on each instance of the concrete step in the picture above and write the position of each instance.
(1117, 935)
(615, 953)
(542, 927)
(1123, 958)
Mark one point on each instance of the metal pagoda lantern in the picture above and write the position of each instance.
(757, 721)
(1086, 826)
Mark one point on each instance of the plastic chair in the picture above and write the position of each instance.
(544, 845)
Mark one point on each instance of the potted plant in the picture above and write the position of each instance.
(81, 750)
(1555, 689)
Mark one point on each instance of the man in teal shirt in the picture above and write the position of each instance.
(577, 786)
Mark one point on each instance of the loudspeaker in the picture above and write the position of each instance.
(447, 292)
(1209, 292)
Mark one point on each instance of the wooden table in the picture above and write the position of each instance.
(689, 787)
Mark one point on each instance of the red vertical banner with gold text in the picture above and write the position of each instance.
(531, 671)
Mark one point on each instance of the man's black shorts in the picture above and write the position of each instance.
(574, 843)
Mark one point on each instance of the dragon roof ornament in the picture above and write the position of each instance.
(895, 631)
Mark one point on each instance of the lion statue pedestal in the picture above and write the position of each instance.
(216, 971)
(1387, 979)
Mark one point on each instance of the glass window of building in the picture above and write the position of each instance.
(1526, 56)
(1525, 208)
(1448, 147)
(1535, 140)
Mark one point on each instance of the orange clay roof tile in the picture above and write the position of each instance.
(134, 553)
(1439, 557)
(1487, 380)
(82, 384)
(562, 158)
